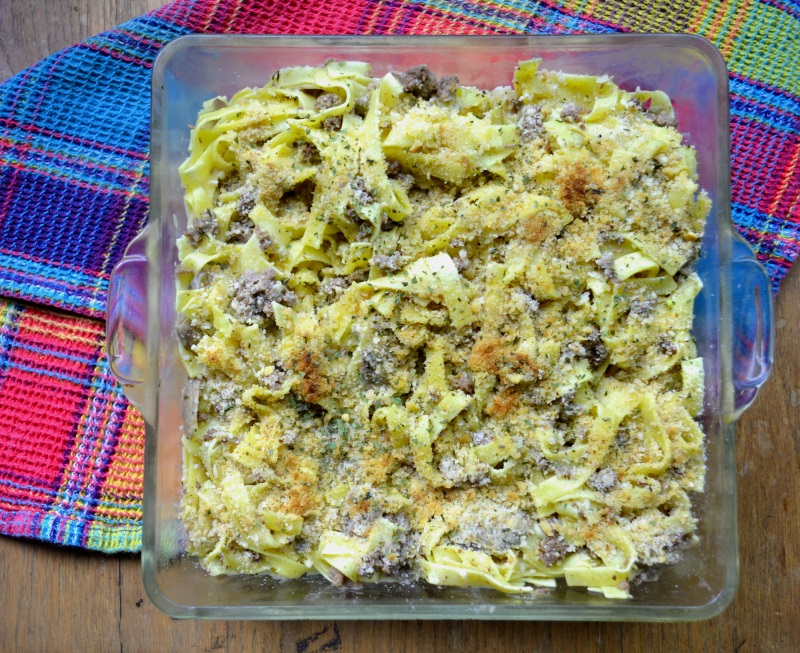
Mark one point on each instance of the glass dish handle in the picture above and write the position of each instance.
(753, 329)
(126, 323)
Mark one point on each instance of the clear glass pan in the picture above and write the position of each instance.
(732, 322)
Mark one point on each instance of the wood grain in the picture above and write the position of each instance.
(57, 599)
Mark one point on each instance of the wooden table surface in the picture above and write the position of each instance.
(59, 599)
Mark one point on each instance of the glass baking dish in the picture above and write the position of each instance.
(733, 323)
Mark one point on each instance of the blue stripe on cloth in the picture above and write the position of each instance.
(36, 489)
(62, 526)
(51, 353)
(773, 109)
(52, 283)
(8, 332)
(57, 528)
(64, 260)
(784, 123)
(73, 165)
(19, 136)
(104, 386)
(779, 247)
(48, 495)
(760, 93)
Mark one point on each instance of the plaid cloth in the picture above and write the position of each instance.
(70, 445)
(74, 190)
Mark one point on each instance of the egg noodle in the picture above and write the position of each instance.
(442, 333)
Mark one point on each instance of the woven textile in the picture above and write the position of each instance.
(74, 190)
(71, 449)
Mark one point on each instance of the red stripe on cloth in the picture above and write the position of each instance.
(66, 178)
(787, 199)
(10, 123)
(71, 447)
(762, 165)
(70, 161)
(39, 395)
(299, 17)
(35, 406)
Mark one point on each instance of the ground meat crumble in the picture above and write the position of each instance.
(391, 556)
(309, 152)
(643, 306)
(464, 383)
(247, 201)
(603, 480)
(264, 240)
(240, 230)
(553, 549)
(606, 264)
(333, 286)
(419, 81)
(388, 262)
(374, 366)
(664, 119)
(572, 113)
(254, 293)
(327, 101)
(529, 124)
(360, 192)
(668, 348)
(205, 225)
(446, 88)
(491, 527)
(596, 350)
(332, 123)
(274, 380)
